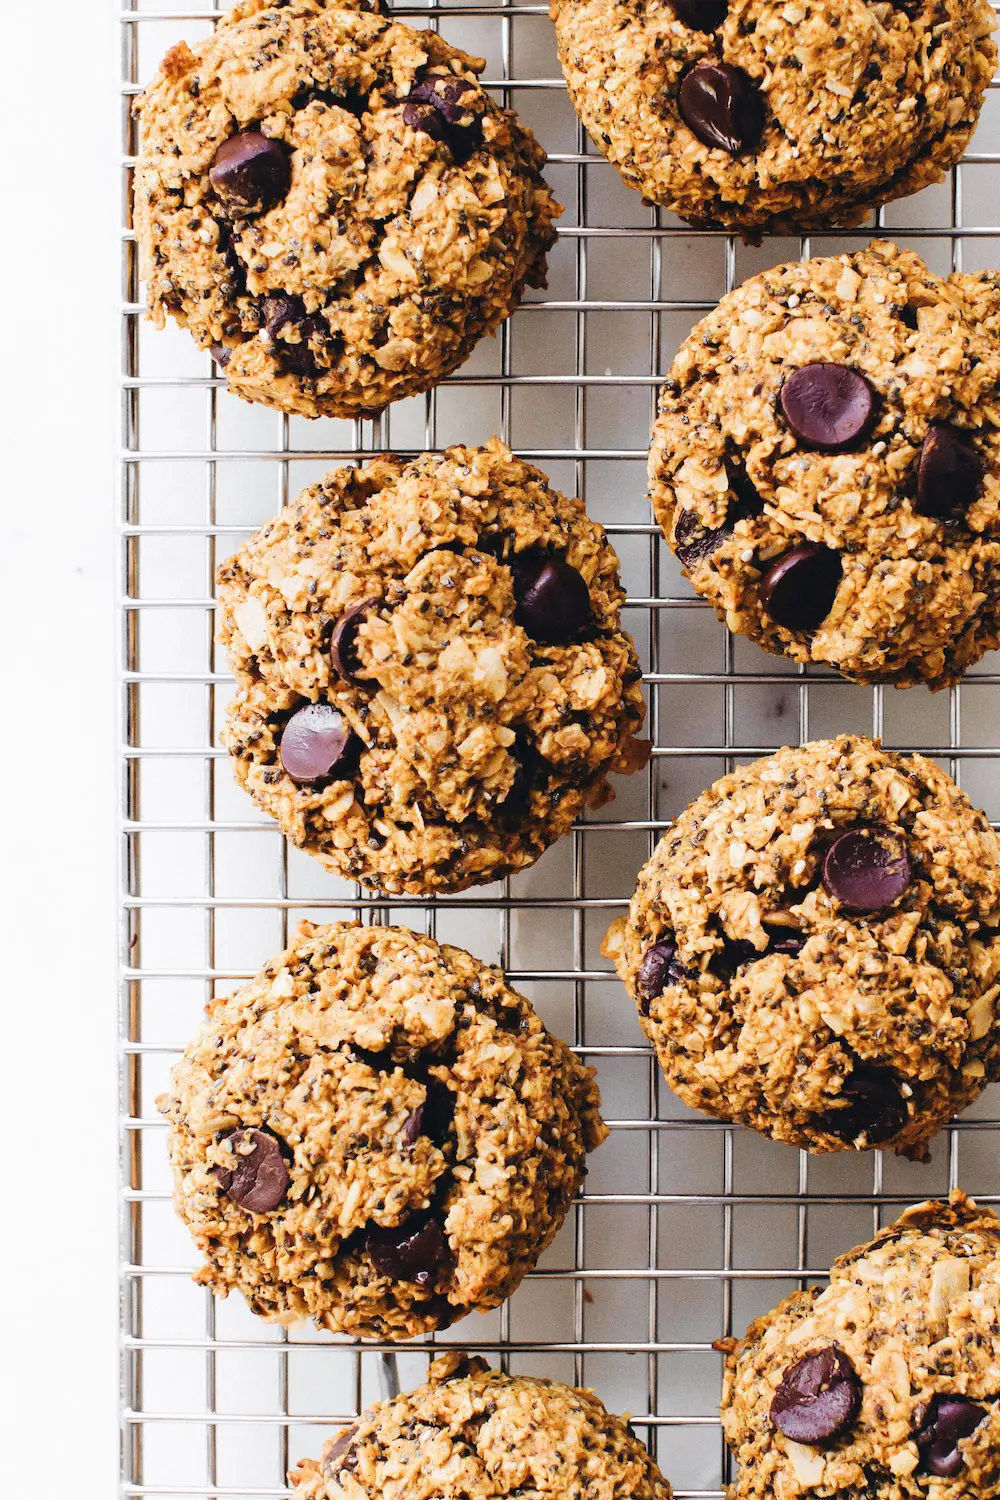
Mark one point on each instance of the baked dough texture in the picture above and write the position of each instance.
(735, 489)
(782, 1009)
(412, 1093)
(408, 229)
(472, 1433)
(476, 743)
(917, 1313)
(854, 102)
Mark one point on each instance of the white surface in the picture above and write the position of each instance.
(58, 269)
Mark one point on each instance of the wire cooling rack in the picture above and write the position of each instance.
(687, 1228)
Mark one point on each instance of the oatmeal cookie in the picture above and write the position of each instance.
(472, 1433)
(433, 678)
(332, 204)
(826, 464)
(377, 1133)
(885, 1383)
(780, 117)
(814, 949)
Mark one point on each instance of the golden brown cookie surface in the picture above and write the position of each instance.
(826, 464)
(330, 201)
(455, 621)
(778, 117)
(813, 948)
(886, 1382)
(377, 1133)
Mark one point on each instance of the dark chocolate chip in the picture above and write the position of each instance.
(819, 1396)
(735, 953)
(722, 106)
(280, 310)
(874, 1107)
(424, 117)
(701, 15)
(867, 868)
(828, 407)
(336, 1455)
(553, 601)
(300, 359)
(222, 354)
(415, 1250)
(260, 1179)
(950, 473)
(693, 542)
(445, 92)
(799, 587)
(315, 743)
(344, 642)
(251, 173)
(435, 106)
(432, 1118)
(785, 941)
(949, 1420)
(660, 967)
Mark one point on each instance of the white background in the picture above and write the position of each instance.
(58, 254)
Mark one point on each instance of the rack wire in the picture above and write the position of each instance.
(687, 1228)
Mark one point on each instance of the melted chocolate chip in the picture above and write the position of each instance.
(426, 118)
(553, 601)
(280, 310)
(316, 743)
(819, 1397)
(828, 407)
(660, 967)
(415, 1250)
(300, 359)
(950, 474)
(251, 173)
(435, 106)
(260, 1179)
(344, 642)
(222, 354)
(335, 1457)
(432, 1118)
(799, 588)
(949, 1420)
(693, 542)
(701, 15)
(867, 868)
(875, 1108)
(722, 107)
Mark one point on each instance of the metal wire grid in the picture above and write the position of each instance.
(687, 1228)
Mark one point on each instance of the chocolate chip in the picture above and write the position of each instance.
(722, 106)
(784, 941)
(222, 354)
(949, 1420)
(950, 473)
(300, 359)
(867, 868)
(701, 15)
(693, 542)
(875, 1108)
(660, 967)
(424, 117)
(251, 173)
(415, 1250)
(819, 1396)
(446, 93)
(280, 310)
(344, 642)
(260, 1179)
(828, 407)
(799, 587)
(553, 601)
(334, 1457)
(315, 743)
(435, 106)
(432, 1118)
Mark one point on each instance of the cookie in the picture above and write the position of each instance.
(759, 116)
(813, 949)
(433, 677)
(472, 1433)
(826, 465)
(884, 1383)
(331, 203)
(376, 1133)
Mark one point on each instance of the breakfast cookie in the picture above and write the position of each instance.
(433, 677)
(377, 1133)
(886, 1382)
(332, 204)
(472, 1433)
(813, 949)
(780, 117)
(826, 464)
